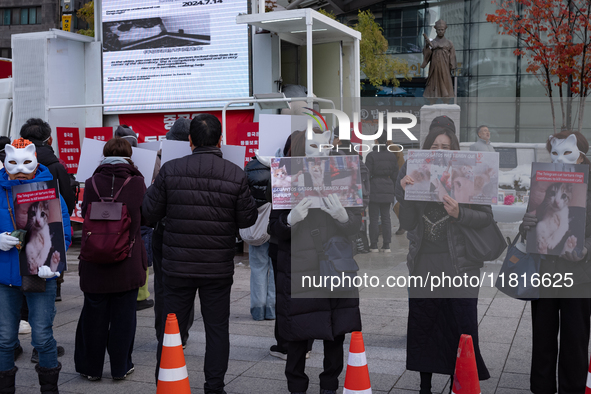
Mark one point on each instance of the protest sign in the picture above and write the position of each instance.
(38, 214)
(558, 198)
(467, 177)
(274, 130)
(293, 178)
(68, 143)
(235, 154)
(173, 150)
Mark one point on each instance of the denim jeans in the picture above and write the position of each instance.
(41, 313)
(375, 211)
(262, 284)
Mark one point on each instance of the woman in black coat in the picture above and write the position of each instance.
(108, 317)
(310, 313)
(437, 319)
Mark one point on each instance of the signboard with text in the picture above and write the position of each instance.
(68, 142)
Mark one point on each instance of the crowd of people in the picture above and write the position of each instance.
(186, 224)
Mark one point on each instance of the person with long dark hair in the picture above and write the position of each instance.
(108, 317)
(436, 320)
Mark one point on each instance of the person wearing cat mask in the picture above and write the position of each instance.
(438, 318)
(20, 167)
(310, 314)
(563, 311)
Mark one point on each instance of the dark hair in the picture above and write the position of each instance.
(383, 138)
(205, 130)
(298, 144)
(36, 130)
(582, 143)
(478, 130)
(437, 131)
(3, 142)
(117, 146)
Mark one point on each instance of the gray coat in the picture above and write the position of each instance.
(482, 146)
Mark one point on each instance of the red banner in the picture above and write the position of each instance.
(153, 127)
(246, 135)
(39, 195)
(5, 68)
(99, 133)
(68, 142)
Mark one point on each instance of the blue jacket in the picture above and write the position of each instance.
(9, 266)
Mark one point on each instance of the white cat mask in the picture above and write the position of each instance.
(318, 140)
(564, 150)
(20, 160)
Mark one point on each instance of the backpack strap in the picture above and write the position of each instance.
(113, 199)
(122, 186)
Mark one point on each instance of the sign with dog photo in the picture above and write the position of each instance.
(467, 177)
(558, 198)
(38, 215)
(293, 178)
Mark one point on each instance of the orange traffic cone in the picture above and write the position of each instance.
(357, 377)
(173, 377)
(466, 375)
(588, 389)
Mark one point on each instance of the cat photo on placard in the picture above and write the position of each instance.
(558, 198)
(38, 211)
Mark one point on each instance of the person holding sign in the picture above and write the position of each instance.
(565, 310)
(21, 167)
(439, 313)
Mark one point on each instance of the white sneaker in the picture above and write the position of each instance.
(374, 250)
(24, 327)
(387, 250)
(308, 354)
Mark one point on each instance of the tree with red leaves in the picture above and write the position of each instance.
(556, 34)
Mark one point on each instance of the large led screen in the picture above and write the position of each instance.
(158, 50)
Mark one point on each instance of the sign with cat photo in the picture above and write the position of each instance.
(37, 211)
(467, 177)
(558, 198)
(293, 178)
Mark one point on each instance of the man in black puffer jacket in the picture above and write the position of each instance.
(205, 200)
(39, 133)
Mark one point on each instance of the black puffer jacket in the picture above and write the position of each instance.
(411, 213)
(205, 200)
(313, 315)
(46, 156)
(259, 180)
(383, 172)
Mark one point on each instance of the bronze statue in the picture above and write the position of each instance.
(440, 52)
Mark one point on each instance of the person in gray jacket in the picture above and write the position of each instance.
(483, 140)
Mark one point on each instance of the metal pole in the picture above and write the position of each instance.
(309, 64)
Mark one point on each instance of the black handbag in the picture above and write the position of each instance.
(335, 259)
(483, 244)
(518, 262)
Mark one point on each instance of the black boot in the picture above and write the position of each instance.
(426, 382)
(48, 378)
(7, 381)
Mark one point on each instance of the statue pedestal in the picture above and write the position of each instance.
(430, 112)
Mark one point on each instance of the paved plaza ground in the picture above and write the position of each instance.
(505, 340)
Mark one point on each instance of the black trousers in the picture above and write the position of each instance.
(107, 321)
(214, 296)
(569, 317)
(273, 249)
(158, 294)
(297, 380)
(375, 211)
